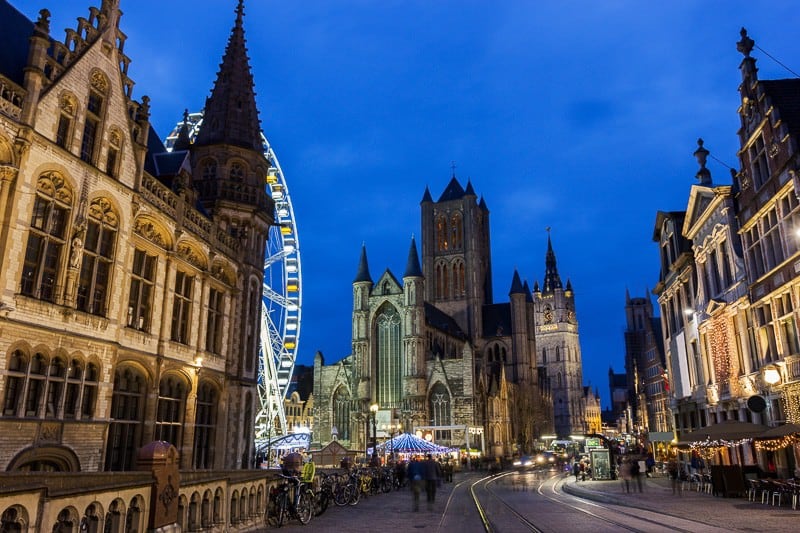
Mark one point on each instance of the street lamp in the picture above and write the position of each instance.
(373, 409)
(771, 376)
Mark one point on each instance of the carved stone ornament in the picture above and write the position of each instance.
(744, 179)
(52, 184)
(149, 231)
(190, 255)
(773, 150)
(99, 81)
(102, 210)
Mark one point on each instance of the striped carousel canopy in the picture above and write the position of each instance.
(408, 443)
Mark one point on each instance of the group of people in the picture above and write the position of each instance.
(427, 472)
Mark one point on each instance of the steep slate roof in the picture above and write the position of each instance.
(154, 148)
(363, 267)
(440, 320)
(427, 196)
(412, 265)
(454, 191)
(231, 115)
(516, 284)
(496, 320)
(785, 97)
(16, 29)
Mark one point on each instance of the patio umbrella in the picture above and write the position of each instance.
(780, 431)
(727, 430)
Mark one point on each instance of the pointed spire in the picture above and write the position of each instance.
(627, 296)
(470, 191)
(701, 154)
(552, 280)
(536, 286)
(363, 267)
(516, 284)
(183, 141)
(482, 204)
(569, 286)
(427, 196)
(527, 289)
(231, 115)
(413, 269)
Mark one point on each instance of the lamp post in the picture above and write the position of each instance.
(373, 409)
(771, 376)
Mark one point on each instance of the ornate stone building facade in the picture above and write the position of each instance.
(130, 276)
(729, 289)
(434, 351)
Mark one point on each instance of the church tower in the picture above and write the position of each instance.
(455, 241)
(229, 169)
(558, 347)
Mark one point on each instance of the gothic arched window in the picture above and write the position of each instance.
(456, 232)
(44, 259)
(98, 257)
(441, 233)
(389, 375)
(439, 405)
(341, 412)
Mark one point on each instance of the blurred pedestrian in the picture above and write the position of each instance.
(433, 472)
(416, 473)
(672, 471)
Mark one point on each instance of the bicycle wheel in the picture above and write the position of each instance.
(321, 501)
(305, 506)
(355, 494)
(282, 515)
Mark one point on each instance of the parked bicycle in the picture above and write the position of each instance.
(290, 499)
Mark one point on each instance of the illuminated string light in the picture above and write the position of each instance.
(720, 348)
(773, 445)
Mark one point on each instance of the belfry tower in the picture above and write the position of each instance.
(558, 347)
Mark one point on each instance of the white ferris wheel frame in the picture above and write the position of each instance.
(281, 299)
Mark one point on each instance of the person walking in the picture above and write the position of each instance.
(576, 470)
(433, 472)
(672, 470)
(416, 473)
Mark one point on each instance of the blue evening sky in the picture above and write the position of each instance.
(578, 115)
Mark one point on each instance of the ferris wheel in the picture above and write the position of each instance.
(281, 297)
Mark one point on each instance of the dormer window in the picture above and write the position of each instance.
(112, 159)
(94, 113)
(65, 122)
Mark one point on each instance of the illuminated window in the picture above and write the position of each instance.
(441, 233)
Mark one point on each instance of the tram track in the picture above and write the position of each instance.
(549, 489)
